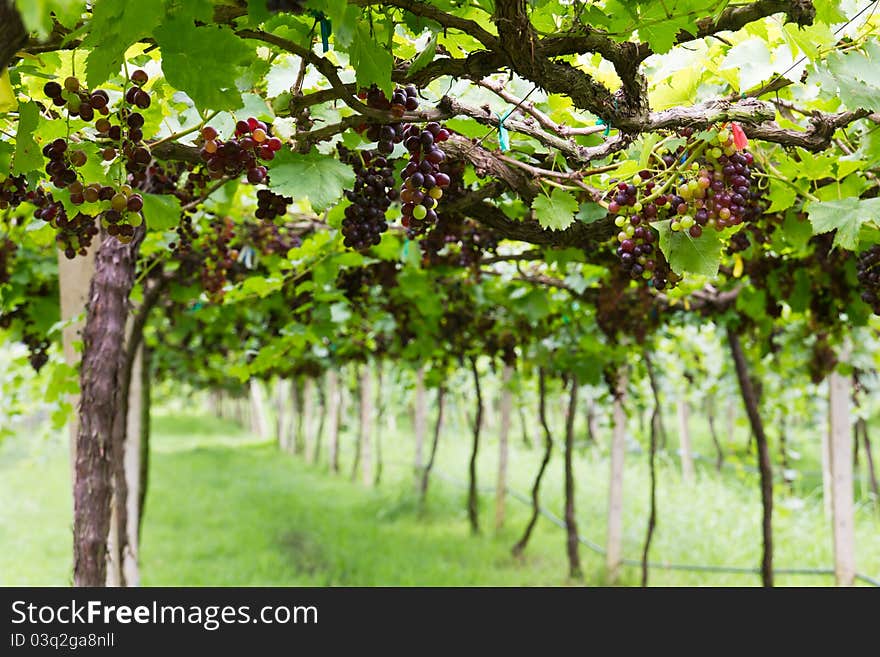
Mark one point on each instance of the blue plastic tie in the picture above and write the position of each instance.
(405, 248)
(607, 126)
(326, 28)
(503, 134)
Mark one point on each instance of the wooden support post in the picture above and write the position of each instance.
(840, 459)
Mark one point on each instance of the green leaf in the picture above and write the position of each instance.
(591, 212)
(687, 254)
(320, 178)
(115, 25)
(752, 303)
(751, 59)
(556, 211)
(845, 215)
(161, 211)
(204, 62)
(423, 58)
(371, 60)
(28, 156)
(344, 17)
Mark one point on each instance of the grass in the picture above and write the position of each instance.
(224, 509)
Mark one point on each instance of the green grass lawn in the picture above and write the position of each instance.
(226, 510)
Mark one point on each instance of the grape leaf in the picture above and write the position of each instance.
(8, 102)
(854, 77)
(161, 211)
(370, 60)
(317, 177)
(751, 59)
(424, 58)
(344, 17)
(846, 215)
(556, 211)
(591, 212)
(700, 255)
(115, 25)
(185, 51)
(27, 151)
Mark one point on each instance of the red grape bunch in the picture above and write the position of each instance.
(868, 269)
(7, 252)
(271, 205)
(241, 154)
(423, 182)
(704, 184)
(78, 101)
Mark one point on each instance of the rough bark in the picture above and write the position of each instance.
(503, 446)
(521, 544)
(103, 360)
(572, 542)
(13, 35)
(473, 496)
(751, 403)
(614, 546)
(438, 425)
(652, 461)
(146, 403)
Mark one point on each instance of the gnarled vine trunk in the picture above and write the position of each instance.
(473, 499)
(572, 544)
(751, 403)
(521, 544)
(104, 357)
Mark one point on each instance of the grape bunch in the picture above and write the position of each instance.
(701, 185)
(423, 181)
(77, 99)
(267, 238)
(217, 256)
(252, 142)
(7, 253)
(868, 269)
(13, 191)
(62, 162)
(271, 205)
(373, 191)
(74, 234)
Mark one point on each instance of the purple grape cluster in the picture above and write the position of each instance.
(78, 101)
(423, 182)
(271, 205)
(370, 199)
(868, 269)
